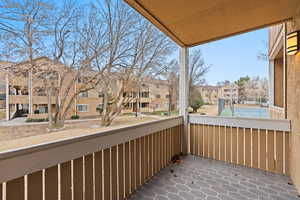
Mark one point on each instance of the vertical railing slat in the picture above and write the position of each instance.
(205, 139)
(228, 144)
(98, 176)
(151, 155)
(192, 142)
(178, 139)
(155, 153)
(66, 181)
(211, 141)
(271, 161)
(200, 129)
(88, 177)
(133, 166)
(106, 175)
(15, 189)
(167, 153)
(138, 162)
(127, 169)
(158, 150)
(165, 148)
(241, 146)
(113, 173)
(222, 143)
(35, 185)
(263, 153)
(287, 154)
(255, 146)
(147, 155)
(78, 178)
(234, 144)
(51, 183)
(279, 152)
(248, 147)
(143, 167)
(216, 146)
(121, 171)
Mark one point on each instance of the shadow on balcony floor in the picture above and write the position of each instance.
(198, 178)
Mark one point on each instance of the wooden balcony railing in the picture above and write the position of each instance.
(108, 165)
(24, 99)
(256, 143)
(276, 112)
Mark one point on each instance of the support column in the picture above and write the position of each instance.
(284, 72)
(30, 92)
(184, 94)
(271, 82)
(7, 98)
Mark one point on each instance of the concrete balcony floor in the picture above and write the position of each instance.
(199, 178)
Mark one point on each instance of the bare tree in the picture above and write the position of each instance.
(171, 75)
(73, 42)
(105, 46)
(197, 70)
(136, 49)
(257, 89)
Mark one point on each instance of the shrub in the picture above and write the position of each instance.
(36, 120)
(75, 117)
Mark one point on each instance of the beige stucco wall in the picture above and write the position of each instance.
(293, 106)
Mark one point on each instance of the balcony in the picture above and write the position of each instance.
(24, 99)
(228, 157)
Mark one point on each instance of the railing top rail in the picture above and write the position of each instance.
(154, 126)
(276, 107)
(268, 124)
(18, 162)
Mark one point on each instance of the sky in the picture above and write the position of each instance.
(236, 56)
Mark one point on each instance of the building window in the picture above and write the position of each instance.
(157, 96)
(43, 109)
(40, 92)
(84, 94)
(145, 94)
(82, 108)
(129, 94)
(167, 96)
(145, 105)
(129, 105)
(100, 95)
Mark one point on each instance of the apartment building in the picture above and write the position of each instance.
(152, 95)
(230, 92)
(17, 99)
(23, 96)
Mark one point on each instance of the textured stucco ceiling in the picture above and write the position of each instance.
(193, 22)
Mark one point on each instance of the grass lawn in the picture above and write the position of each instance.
(32, 134)
(162, 113)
